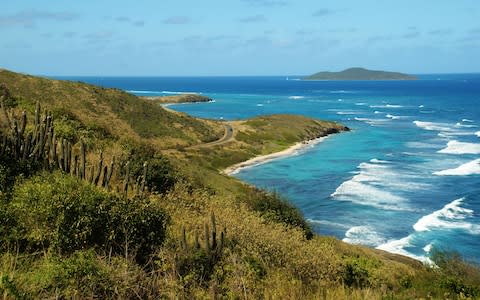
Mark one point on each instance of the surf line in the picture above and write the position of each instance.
(259, 160)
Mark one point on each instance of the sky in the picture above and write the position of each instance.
(238, 37)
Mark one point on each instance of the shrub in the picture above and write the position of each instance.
(455, 274)
(161, 175)
(81, 274)
(65, 214)
(8, 99)
(9, 288)
(277, 209)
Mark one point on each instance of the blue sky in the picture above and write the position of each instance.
(238, 37)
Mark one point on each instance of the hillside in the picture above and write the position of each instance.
(117, 115)
(359, 74)
(94, 205)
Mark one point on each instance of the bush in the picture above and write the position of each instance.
(277, 209)
(81, 274)
(8, 99)
(456, 275)
(161, 175)
(62, 213)
(359, 271)
(10, 169)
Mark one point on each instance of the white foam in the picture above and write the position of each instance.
(176, 93)
(259, 104)
(470, 168)
(398, 247)
(144, 92)
(393, 117)
(356, 191)
(465, 125)
(452, 134)
(375, 185)
(377, 112)
(451, 216)
(477, 133)
(363, 235)
(346, 113)
(386, 106)
(378, 161)
(456, 147)
(422, 145)
(360, 103)
(372, 122)
(434, 126)
(296, 97)
(342, 92)
(421, 106)
(467, 120)
(428, 248)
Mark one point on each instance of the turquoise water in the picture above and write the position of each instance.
(405, 179)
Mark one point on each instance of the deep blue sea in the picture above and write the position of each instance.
(406, 179)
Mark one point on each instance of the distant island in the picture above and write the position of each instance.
(359, 74)
(181, 98)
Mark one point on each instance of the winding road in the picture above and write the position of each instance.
(227, 137)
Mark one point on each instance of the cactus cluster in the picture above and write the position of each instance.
(212, 244)
(41, 146)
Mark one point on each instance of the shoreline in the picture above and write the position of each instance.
(262, 159)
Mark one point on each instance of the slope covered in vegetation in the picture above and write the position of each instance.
(83, 216)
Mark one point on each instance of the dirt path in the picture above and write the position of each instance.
(227, 137)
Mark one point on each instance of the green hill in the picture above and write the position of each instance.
(84, 217)
(359, 74)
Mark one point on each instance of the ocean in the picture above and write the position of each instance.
(405, 179)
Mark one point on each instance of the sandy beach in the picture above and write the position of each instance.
(258, 160)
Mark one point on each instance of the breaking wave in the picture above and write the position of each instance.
(456, 147)
(398, 247)
(296, 97)
(364, 235)
(451, 216)
(386, 106)
(432, 126)
(470, 168)
(375, 185)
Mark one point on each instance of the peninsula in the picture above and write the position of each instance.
(360, 74)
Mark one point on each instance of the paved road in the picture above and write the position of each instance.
(227, 137)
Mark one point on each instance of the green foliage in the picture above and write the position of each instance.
(7, 225)
(10, 170)
(81, 274)
(65, 214)
(456, 276)
(256, 267)
(8, 288)
(277, 209)
(194, 266)
(356, 273)
(195, 263)
(161, 175)
(71, 128)
(8, 99)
